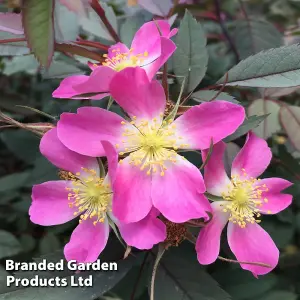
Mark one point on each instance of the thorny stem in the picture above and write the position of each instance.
(139, 276)
(244, 263)
(101, 13)
(225, 32)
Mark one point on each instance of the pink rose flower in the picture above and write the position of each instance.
(245, 199)
(150, 49)
(85, 194)
(152, 173)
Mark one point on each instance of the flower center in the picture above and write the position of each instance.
(90, 195)
(151, 144)
(121, 61)
(244, 198)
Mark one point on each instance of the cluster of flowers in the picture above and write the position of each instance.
(148, 182)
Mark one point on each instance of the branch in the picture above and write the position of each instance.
(225, 32)
(244, 263)
(101, 13)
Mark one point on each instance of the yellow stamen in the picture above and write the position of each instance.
(90, 195)
(120, 61)
(245, 200)
(151, 144)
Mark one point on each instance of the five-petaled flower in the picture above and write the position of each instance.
(245, 198)
(151, 172)
(150, 49)
(85, 193)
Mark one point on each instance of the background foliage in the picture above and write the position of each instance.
(213, 37)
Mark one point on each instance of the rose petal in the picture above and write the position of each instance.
(208, 241)
(87, 241)
(59, 155)
(84, 131)
(212, 120)
(178, 195)
(215, 177)
(254, 157)
(253, 244)
(112, 159)
(66, 87)
(132, 193)
(145, 233)
(98, 81)
(50, 204)
(138, 96)
(167, 49)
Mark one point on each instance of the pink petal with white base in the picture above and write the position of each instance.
(275, 201)
(50, 204)
(84, 131)
(254, 157)
(132, 193)
(87, 241)
(215, 177)
(212, 120)
(208, 241)
(178, 195)
(138, 96)
(167, 49)
(253, 244)
(145, 233)
(59, 155)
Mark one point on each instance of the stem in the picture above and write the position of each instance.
(244, 263)
(165, 81)
(139, 276)
(5, 41)
(172, 10)
(92, 44)
(225, 32)
(161, 251)
(101, 13)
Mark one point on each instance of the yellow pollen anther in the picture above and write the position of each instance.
(90, 195)
(150, 144)
(119, 61)
(244, 200)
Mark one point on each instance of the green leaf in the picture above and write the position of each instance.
(190, 58)
(243, 285)
(249, 124)
(129, 28)
(281, 233)
(13, 181)
(37, 17)
(204, 96)
(279, 295)
(253, 35)
(27, 64)
(93, 25)
(49, 243)
(15, 141)
(179, 276)
(270, 125)
(290, 121)
(9, 245)
(279, 67)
